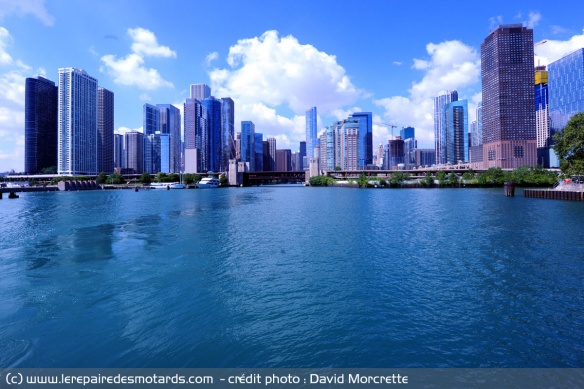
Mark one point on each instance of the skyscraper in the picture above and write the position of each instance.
(134, 141)
(170, 123)
(365, 143)
(195, 125)
(566, 86)
(476, 137)
(119, 160)
(303, 157)
(247, 144)
(508, 97)
(40, 125)
(259, 152)
(272, 153)
(77, 122)
(311, 131)
(105, 130)
(227, 132)
(200, 91)
(456, 118)
(407, 133)
(211, 151)
(440, 101)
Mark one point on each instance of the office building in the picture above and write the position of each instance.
(407, 133)
(476, 137)
(227, 132)
(211, 150)
(258, 152)
(119, 151)
(40, 125)
(105, 130)
(170, 123)
(77, 123)
(200, 91)
(283, 160)
(247, 144)
(456, 121)
(272, 153)
(311, 131)
(267, 160)
(365, 142)
(195, 114)
(566, 92)
(424, 157)
(440, 101)
(509, 138)
(134, 142)
(394, 154)
(303, 157)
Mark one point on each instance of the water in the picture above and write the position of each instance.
(291, 277)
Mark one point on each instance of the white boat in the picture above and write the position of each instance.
(167, 185)
(209, 182)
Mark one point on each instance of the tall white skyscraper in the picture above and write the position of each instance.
(440, 101)
(77, 123)
(311, 130)
(200, 91)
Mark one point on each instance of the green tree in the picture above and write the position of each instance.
(569, 145)
(49, 170)
(363, 180)
(467, 176)
(452, 179)
(441, 177)
(337, 168)
(428, 179)
(321, 181)
(399, 177)
(223, 179)
(115, 179)
(494, 175)
(173, 177)
(145, 178)
(161, 177)
(101, 178)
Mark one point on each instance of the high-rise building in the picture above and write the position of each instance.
(311, 131)
(259, 152)
(566, 91)
(195, 126)
(284, 160)
(303, 157)
(247, 144)
(151, 119)
(272, 152)
(77, 122)
(211, 150)
(509, 138)
(152, 153)
(440, 101)
(134, 141)
(105, 130)
(267, 160)
(424, 157)
(119, 160)
(200, 91)
(407, 133)
(40, 125)
(394, 154)
(365, 143)
(476, 137)
(456, 115)
(170, 123)
(227, 132)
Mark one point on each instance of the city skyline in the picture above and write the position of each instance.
(143, 58)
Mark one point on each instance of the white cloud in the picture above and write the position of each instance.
(122, 130)
(533, 21)
(24, 7)
(146, 44)
(398, 63)
(130, 71)
(269, 73)
(495, 21)
(211, 57)
(556, 30)
(5, 40)
(552, 50)
(145, 97)
(452, 65)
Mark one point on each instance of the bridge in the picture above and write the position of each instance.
(262, 178)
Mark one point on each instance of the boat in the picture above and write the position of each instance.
(167, 185)
(208, 182)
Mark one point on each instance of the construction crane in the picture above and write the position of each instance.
(389, 126)
(538, 44)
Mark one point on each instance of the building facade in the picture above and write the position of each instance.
(456, 120)
(440, 101)
(311, 131)
(170, 123)
(211, 150)
(195, 114)
(476, 137)
(40, 125)
(227, 132)
(365, 142)
(105, 130)
(200, 91)
(77, 123)
(247, 144)
(509, 135)
(134, 142)
(272, 153)
(119, 160)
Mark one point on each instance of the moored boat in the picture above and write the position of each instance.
(209, 182)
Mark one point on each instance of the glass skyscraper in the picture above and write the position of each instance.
(200, 91)
(440, 101)
(105, 130)
(476, 136)
(134, 142)
(77, 123)
(365, 142)
(119, 151)
(456, 120)
(247, 144)
(170, 123)
(40, 125)
(566, 89)
(227, 132)
(211, 154)
(507, 73)
(311, 131)
(195, 125)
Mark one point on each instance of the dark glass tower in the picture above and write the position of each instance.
(105, 130)
(40, 125)
(507, 74)
(365, 144)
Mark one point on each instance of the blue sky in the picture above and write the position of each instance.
(274, 58)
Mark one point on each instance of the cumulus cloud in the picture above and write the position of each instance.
(451, 65)
(271, 73)
(495, 21)
(552, 50)
(533, 21)
(130, 70)
(24, 7)
(122, 130)
(145, 97)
